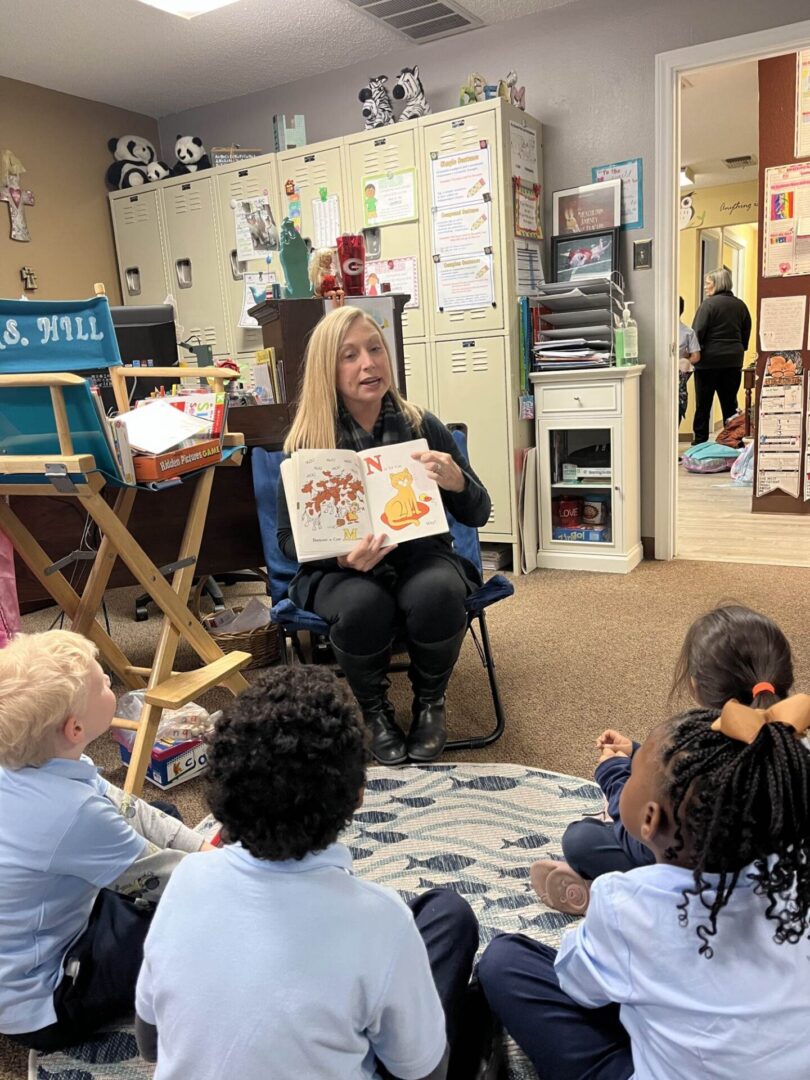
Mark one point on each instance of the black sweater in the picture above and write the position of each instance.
(723, 326)
(470, 507)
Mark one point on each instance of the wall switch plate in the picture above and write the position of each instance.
(642, 254)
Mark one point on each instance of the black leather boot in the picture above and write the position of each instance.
(368, 678)
(431, 667)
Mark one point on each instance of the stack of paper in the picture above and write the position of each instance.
(156, 427)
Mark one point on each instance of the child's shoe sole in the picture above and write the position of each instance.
(559, 887)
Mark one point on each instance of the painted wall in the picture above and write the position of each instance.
(729, 205)
(62, 142)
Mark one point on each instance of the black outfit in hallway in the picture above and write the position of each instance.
(723, 326)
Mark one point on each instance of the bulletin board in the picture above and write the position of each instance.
(776, 380)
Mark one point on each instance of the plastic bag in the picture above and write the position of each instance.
(742, 471)
(709, 457)
(192, 721)
(9, 607)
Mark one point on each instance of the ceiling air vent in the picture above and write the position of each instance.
(741, 162)
(421, 20)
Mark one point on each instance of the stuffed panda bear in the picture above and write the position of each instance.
(132, 156)
(158, 170)
(190, 154)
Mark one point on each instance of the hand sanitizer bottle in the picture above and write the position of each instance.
(630, 335)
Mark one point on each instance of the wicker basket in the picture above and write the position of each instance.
(264, 644)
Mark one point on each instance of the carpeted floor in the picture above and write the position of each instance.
(576, 652)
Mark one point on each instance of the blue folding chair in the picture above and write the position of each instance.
(293, 620)
(54, 443)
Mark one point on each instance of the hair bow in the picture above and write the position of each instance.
(741, 722)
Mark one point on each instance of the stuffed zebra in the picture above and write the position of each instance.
(408, 87)
(377, 108)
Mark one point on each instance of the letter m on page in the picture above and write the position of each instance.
(373, 464)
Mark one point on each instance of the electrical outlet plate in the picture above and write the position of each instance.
(642, 254)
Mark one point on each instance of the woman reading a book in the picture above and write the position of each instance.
(378, 590)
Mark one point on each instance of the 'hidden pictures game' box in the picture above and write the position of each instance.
(171, 763)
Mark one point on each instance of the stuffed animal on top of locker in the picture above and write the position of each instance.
(190, 154)
(377, 108)
(408, 88)
(133, 155)
(158, 170)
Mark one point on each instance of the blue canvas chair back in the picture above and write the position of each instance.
(74, 336)
(266, 466)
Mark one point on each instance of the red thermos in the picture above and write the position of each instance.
(352, 258)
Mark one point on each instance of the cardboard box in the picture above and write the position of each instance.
(150, 468)
(289, 132)
(171, 763)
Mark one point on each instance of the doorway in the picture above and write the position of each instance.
(735, 246)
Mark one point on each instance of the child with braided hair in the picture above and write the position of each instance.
(698, 965)
(730, 652)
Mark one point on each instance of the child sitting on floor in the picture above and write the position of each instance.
(699, 965)
(731, 652)
(70, 947)
(269, 957)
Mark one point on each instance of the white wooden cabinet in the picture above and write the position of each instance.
(140, 241)
(195, 262)
(587, 425)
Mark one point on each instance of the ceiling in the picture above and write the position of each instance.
(128, 54)
(720, 119)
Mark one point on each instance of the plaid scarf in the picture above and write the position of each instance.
(390, 427)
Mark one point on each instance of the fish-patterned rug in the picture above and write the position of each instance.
(471, 828)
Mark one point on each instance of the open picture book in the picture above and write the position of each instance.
(336, 497)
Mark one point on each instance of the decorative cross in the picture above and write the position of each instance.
(29, 278)
(17, 199)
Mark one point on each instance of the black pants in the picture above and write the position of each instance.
(424, 599)
(564, 1040)
(593, 847)
(725, 382)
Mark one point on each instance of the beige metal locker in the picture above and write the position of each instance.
(417, 374)
(318, 173)
(471, 389)
(445, 135)
(140, 244)
(378, 152)
(245, 180)
(190, 211)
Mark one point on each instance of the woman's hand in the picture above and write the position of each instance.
(365, 554)
(615, 742)
(441, 468)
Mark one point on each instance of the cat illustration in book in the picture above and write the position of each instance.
(404, 508)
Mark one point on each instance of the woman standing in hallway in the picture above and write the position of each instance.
(723, 326)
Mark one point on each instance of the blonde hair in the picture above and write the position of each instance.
(43, 681)
(315, 423)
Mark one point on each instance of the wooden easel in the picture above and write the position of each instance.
(75, 476)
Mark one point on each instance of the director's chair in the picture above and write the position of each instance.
(53, 442)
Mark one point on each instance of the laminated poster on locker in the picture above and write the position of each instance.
(779, 426)
(325, 220)
(461, 177)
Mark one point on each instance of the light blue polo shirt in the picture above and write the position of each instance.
(61, 840)
(741, 1014)
(291, 969)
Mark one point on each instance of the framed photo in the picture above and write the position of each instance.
(631, 175)
(585, 256)
(588, 208)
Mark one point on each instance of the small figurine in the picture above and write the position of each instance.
(323, 274)
(293, 256)
(473, 90)
(517, 94)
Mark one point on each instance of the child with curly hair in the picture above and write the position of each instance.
(269, 956)
(74, 849)
(698, 965)
(730, 652)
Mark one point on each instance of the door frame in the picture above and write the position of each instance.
(669, 67)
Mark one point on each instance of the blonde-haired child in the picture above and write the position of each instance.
(70, 945)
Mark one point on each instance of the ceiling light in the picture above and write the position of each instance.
(687, 176)
(188, 9)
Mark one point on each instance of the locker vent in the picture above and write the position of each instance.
(421, 20)
(187, 202)
(463, 137)
(244, 187)
(134, 214)
(470, 360)
(468, 315)
(207, 335)
(491, 518)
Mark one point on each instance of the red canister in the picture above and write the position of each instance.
(570, 510)
(352, 258)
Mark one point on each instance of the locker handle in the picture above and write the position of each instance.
(183, 270)
(132, 276)
(237, 271)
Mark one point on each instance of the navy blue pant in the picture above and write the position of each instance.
(564, 1040)
(592, 847)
